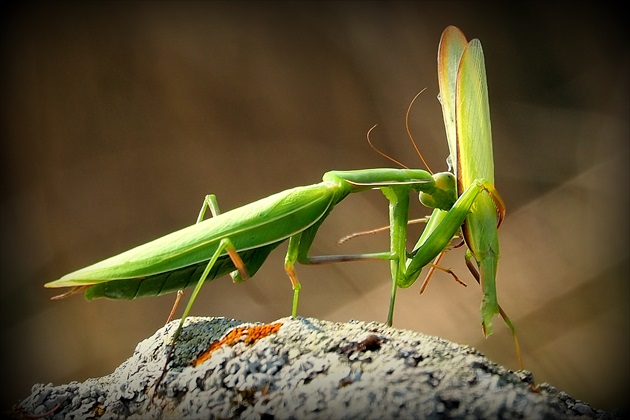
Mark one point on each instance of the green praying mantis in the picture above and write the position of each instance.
(238, 242)
(466, 112)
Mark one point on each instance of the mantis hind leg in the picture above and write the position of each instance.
(225, 245)
(240, 274)
(209, 202)
(178, 298)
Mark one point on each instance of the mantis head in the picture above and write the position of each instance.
(444, 193)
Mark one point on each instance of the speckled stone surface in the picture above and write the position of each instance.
(308, 369)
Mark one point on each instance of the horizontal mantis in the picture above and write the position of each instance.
(238, 242)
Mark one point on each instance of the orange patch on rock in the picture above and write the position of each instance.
(249, 335)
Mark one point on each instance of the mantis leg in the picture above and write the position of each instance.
(436, 237)
(506, 319)
(210, 202)
(441, 229)
(398, 215)
(435, 265)
(398, 196)
(178, 298)
(300, 244)
(225, 245)
(379, 230)
(293, 255)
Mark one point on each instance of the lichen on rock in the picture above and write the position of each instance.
(304, 368)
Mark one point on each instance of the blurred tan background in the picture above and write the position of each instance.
(118, 118)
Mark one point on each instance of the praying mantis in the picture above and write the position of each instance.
(238, 241)
(466, 111)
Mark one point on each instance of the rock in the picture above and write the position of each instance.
(304, 368)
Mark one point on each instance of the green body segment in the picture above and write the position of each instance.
(475, 161)
(465, 106)
(176, 261)
(247, 226)
(171, 281)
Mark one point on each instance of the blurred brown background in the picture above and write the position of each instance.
(117, 119)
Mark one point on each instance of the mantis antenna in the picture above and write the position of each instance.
(385, 155)
(415, 146)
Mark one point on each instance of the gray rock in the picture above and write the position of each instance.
(308, 369)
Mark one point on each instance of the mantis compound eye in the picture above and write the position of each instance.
(445, 181)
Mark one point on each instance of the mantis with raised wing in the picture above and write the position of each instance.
(466, 112)
(238, 241)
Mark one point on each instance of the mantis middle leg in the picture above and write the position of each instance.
(405, 268)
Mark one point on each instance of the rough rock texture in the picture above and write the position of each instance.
(305, 369)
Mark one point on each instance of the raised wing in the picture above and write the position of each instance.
(474, 135)
(475, 162)
(452, 45)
